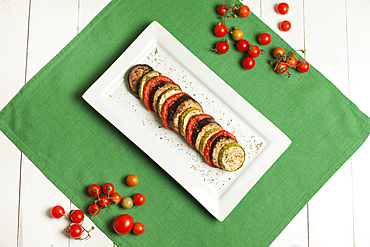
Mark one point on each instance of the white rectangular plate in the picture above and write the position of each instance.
(217, 190)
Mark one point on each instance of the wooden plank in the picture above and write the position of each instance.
(359, 88)
(13, 46)
(52, 25)
(330, 210)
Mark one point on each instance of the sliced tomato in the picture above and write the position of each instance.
(207, 147)
(149, 87)
(166, 106)
(190, 127)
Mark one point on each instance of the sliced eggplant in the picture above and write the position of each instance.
(192, 124)
(198, 128)
(134, 77)
(145, 79)
(231, 156)
(160, 88)
(183, 103)
(216, 146)
(167, 106)
(163, 97)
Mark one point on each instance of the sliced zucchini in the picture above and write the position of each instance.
(145, 79)
(231, 156)
(185, 117)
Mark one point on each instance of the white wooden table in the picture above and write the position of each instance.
(336, 35)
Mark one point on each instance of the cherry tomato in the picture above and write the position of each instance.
(282, 8)
(222, 47)
(104, 201)
(244, 11)
(237, 34)
(115, 198)
(222, 9)
(292, 61)
(132, 180)
(303, 66)
(75, 231)
(94, 209)
(108, 188)
(278, 52)
(57, 212)
(77, 216)
(242, 45)
(138, 228)
(139, 199)
(127, 202)
(123, 224)
(281, 67)
(254, 51)
(220, 30)
(248, 63)
(285, 26)
(264, 38)
(94, 190)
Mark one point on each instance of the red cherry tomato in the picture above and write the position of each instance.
(132, 180)
(248, 63)
(94, 190)
(278, 52)
(303, 66)
(285, 26)
(138, 228)
(264, 38)
(77, 216)
(222, 47)
(108, 188)
(237, 34)
(222, 9)
(282, 8)
(281, 67)
(254, 51)
(242, 45)
(116, 198)
(75, 231)
(244, 11)
(57, 212)
(139, 199)
(104, 201)
(94, 209)
(220, 30)
(123, 224)
(292, 61)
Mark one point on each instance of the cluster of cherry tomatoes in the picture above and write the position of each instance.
(283, 9)
(123, 224)
(76, 217)
(284, 62)
(103, 200)
(221, 30)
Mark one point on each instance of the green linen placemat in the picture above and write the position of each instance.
(75, 147)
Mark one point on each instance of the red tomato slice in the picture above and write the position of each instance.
(192, 122)
(148, 88)
(209, 143)
(166, 106)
